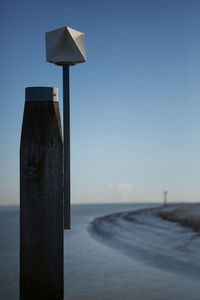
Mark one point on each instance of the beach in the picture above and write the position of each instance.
(186, 214)
(114, 251)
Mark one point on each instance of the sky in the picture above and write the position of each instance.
(135, 118)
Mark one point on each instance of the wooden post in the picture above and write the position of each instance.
(41, 197)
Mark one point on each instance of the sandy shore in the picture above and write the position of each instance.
(185, 214)
(144, 235)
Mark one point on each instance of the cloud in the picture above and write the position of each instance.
(120, 191)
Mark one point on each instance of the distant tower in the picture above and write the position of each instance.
(165, 198)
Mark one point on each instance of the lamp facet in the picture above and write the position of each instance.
(65, 46)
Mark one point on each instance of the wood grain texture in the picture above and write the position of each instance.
(41, 203)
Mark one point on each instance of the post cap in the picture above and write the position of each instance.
(41, 93)
(65, 46)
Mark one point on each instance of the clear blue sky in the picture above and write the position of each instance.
(135, 112)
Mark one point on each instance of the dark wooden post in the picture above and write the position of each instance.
(41, 197)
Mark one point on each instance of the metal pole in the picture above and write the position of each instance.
(69, 52)
(66, 126)
(165, 198)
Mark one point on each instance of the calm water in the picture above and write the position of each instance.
(114, 260)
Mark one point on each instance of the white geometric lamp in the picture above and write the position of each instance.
(65, 46)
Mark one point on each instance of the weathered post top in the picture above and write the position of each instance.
(65, 46)
(41, 93)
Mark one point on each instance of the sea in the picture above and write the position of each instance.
(113, 251)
